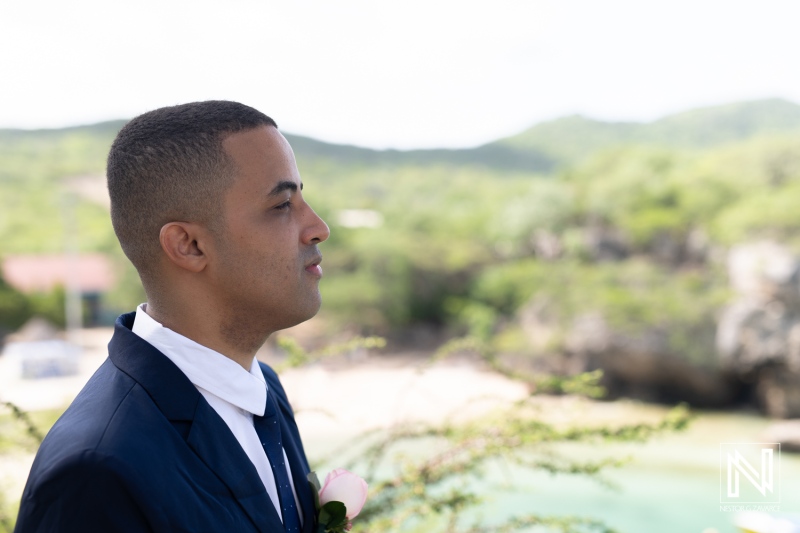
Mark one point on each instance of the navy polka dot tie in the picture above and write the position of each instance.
(268, 429)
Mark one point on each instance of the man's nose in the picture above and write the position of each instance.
(317, 230)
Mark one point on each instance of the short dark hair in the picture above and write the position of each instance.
(168, 165)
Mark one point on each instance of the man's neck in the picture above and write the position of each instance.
(231, 340)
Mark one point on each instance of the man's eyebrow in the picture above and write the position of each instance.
(285, 186)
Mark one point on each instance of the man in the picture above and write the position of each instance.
(181, 429)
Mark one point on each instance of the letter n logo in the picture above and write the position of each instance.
(749, 470)
(763, 481)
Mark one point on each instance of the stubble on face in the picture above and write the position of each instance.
(262, 249)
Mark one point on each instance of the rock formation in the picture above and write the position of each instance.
(758, 335)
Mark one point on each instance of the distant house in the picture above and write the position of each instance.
(91, 274)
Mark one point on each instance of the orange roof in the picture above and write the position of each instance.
(34, 273)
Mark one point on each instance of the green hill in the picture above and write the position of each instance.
(571, 139)
(495, 156)
(308, 151)
(541, 149)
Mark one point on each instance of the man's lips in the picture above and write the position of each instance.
(314, 268)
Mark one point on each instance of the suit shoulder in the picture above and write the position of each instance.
(65, 497)
(84, 423)
(113, 416)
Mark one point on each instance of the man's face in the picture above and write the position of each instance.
(266, 261)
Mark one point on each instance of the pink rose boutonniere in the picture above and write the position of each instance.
(338, 501)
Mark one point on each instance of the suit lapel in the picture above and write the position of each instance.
(208, 435)
(213, 442)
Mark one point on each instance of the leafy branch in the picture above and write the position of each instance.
(297, 356)
(23, 417)
(434, 492)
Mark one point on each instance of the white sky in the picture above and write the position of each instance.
(394, 73)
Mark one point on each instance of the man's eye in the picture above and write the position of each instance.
(285, 205)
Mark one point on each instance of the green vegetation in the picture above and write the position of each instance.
(571, 139)
(16, 308)
(38, 206)
(19, 432)
(574, 216)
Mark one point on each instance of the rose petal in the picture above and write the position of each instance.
(346, 487)
(336, 472)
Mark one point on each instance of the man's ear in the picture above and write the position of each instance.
(184, 243)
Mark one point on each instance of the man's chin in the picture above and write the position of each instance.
(303, 316)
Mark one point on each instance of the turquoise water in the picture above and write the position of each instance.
(672, 484)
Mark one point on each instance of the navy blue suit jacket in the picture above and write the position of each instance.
(140, 449)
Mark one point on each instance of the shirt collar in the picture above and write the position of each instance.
(205, 367)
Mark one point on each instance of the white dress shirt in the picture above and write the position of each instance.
(233, 392)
